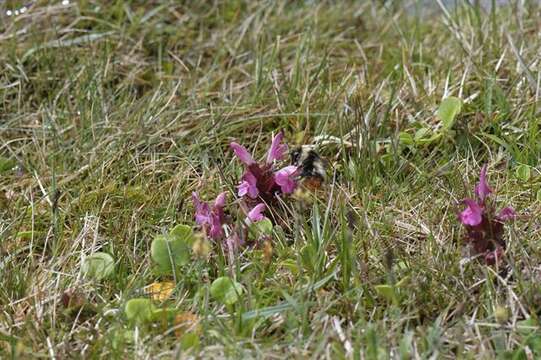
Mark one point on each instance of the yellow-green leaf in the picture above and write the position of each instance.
(449, 108)
(522, 172)
(385, 291)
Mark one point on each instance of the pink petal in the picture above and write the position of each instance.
(276, 150)
(196, 200)
(507, 213)
(285, 178)
(202, 210)
(482, 189)
(256, 214)
(220, 200)
(215, 231)
(472, 215)
(248, 186)
(243, 154)
(243, 188)
(233, 241)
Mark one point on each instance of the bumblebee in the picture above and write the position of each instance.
(311, 165)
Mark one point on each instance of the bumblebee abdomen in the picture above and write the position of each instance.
(312, 168)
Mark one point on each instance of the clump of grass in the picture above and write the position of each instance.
(113, 114)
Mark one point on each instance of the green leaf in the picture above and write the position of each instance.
(449, 108)
(385, 291)
(267, 312)
(189, 340)
(139, 310)
(527, 326)
(497, 140)
(183, 232)
(99, 266)
(522, 172)
(25, 235)
(163, 314)
(539, 195)
(225, 290)
(406, 138)
(262, 227)
(403, 282)
(169, 252)
(421, 133)
(425, 141)
(6, 164)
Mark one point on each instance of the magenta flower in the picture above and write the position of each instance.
(209, 218)
(260, 179)
(256, 214)
(202, 210)
(234, 241)
(482, 189)
(220, 200)
(485, 228)
(507, 213)
(243, 154)
(286, 179)
(215, 231)
(248, 186)
(277, 149)
(472, 215)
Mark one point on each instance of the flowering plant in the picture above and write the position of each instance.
(258, 188)
(210, 218)
(260, 179)
(484, 226)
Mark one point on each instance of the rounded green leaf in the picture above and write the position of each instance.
(189, 340)
(262, 227)
(163, 314)
(225, 290)
(385, 291)
(449, 108)
(98, 266)
(405, 138)
(183, 232)
(169, 252)
(6, 164)
(139, 310)
(422, 133)
(522, 172)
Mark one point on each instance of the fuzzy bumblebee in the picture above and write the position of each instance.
(312, 168)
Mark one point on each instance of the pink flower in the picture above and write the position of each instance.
(472, 215)
(248, 186)
(482, 189)
(276, 150)
(220, 200)
(202, 210)
(256, 214)
(484, 227)
(233, 241)
(507, 213)
(215, 231)
(285, 178)
(243, 154)
(210, 219)
(260, 179)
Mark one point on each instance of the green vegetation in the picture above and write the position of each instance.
(113, 112)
